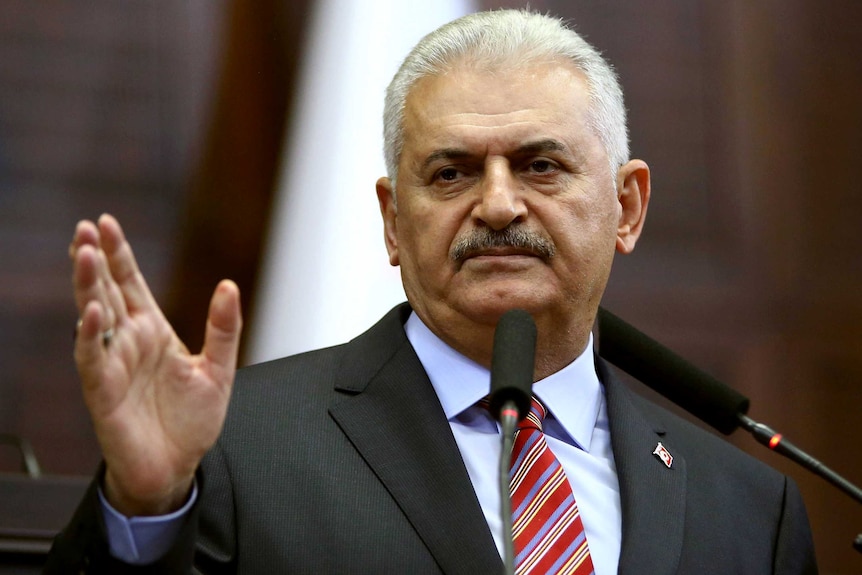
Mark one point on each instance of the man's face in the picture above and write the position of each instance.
(505, 199)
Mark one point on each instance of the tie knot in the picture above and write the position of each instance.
(533, 420)
(536, 416)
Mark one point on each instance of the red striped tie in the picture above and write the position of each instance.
(548, 531)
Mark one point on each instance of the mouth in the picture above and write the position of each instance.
(500, 252)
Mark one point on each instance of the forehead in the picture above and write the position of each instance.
(548, 99)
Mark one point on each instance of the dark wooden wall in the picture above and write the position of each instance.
(749, 116)
(101, 106)
(167, 114)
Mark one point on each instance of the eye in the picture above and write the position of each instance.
(541, 166)
(448, 174)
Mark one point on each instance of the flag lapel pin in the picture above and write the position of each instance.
(663, 454)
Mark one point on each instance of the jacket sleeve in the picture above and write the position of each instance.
(82, 547)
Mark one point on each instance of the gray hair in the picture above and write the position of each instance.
(509, 36)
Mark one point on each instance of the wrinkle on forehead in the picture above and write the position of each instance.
(482, 99)
(497, 113)
(512, 118)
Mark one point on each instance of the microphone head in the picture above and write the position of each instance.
(512, 362)
(669, 374)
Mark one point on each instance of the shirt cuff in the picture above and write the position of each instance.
(143, 540)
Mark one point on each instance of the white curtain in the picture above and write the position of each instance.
(326, 275)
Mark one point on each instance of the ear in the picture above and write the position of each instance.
(389, 211)
(633, 190)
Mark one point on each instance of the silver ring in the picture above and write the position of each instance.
(107, 335)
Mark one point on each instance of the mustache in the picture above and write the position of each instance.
(481, 239)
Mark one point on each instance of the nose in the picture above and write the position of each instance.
(500, 203)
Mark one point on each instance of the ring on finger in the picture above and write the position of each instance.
(107, 335)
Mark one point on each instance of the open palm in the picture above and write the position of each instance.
(156, 407)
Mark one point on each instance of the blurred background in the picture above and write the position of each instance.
(241, 139)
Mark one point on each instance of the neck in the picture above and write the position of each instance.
(557, 344)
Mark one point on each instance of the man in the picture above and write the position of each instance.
(509, 187)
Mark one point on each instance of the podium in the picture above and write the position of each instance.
(32, 512)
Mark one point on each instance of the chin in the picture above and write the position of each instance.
(487, 307)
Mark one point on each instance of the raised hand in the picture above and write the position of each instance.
(156, 407)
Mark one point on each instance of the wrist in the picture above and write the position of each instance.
(143, 502)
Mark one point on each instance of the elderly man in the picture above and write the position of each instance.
(509, 186)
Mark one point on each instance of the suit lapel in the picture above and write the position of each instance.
(396, 423)
(652, 495)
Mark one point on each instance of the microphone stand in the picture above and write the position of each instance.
(29, 463)
(508, 422)
(765, 435)
(776, 442)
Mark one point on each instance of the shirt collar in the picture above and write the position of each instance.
(572, 395)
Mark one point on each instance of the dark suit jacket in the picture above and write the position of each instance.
(341, 461)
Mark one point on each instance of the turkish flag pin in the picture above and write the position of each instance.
(662, 453)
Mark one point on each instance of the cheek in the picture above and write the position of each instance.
(426, 238)
(583, 233)
(434, 225)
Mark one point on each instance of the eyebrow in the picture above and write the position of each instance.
(541, 146)
(445, 154)
(536, 147)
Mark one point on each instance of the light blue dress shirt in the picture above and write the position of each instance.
(576, 429)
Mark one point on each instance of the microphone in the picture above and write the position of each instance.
(667, 373)
(700, 394)
(512, 362)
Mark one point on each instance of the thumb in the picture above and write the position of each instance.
(224, 325)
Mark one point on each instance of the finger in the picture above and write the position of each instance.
(91, 281)
(93, 359)
(115, 304)
(124, 268)
(224, 325)
(89, 348)
(86, 233)
(86, 279)
(90, 270)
